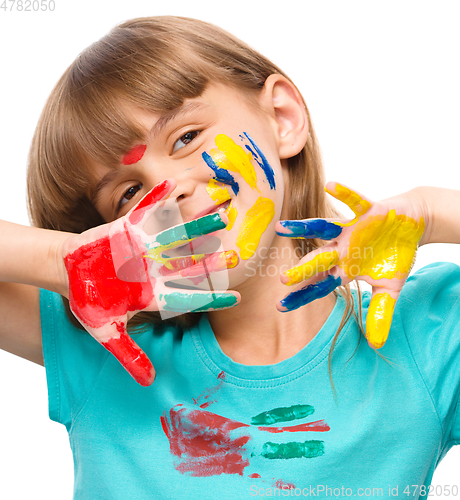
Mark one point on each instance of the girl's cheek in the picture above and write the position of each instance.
(224, 161)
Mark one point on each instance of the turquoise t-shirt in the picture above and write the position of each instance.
(210, 428)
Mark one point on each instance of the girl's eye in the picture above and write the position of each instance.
(184, 140)
(129, 194)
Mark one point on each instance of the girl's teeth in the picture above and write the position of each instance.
(224, 207)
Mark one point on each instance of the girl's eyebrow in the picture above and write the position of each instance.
(175, 114)
(107, 179)
(159, 125)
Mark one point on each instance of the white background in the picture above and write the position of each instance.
(381, 79)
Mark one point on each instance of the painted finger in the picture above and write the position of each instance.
(308, 228)
(198, 265)
(358, 203)
(114, 337)
(184, 233)
(379, 317)
(145, 207)
(308, 294)
(320, 263)
(196, 301)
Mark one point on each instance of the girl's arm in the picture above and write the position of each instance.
(28, 260)
(377, 246)
(443, 209)
(110, 273)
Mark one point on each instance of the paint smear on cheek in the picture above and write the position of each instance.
(232, 157)
(262, 161)
(134, 155)
(220, 174)
(257, 219)
(232, 214)
(219, 195)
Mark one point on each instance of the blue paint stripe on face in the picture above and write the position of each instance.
(221, 174)
(313, 228)
(310, 293)
(263, 163)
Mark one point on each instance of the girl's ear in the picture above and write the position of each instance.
(283, 102)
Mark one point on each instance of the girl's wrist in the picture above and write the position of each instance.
(33, 256)
(440, 207)
(60, 282)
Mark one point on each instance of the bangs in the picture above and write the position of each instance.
(115, 74)
(145, 64)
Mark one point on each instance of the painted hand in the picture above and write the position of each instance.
(117, 270)
(377, 246)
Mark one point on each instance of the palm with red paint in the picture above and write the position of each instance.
(117, 269)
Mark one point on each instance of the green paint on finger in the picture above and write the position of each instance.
(186, 302)
(285, 451)
(193, 229)
(294, 412)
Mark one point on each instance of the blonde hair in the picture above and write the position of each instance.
(154, 63)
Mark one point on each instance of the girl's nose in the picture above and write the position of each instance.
(165, 216)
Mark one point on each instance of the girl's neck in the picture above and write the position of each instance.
(255, 332)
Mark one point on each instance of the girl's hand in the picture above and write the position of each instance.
(117, 269)
(377, 246)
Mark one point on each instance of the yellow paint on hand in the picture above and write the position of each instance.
(218, 193)
(257, 219)
(383, 246)
(234, 158)
(379, 318)
(352, 199)
(320, 263)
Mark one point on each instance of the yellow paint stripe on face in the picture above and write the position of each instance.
(352, 199)
(379, 318)
(319, 264)
(218, 193)
(232, 214)
(234, 158)
(257, 219)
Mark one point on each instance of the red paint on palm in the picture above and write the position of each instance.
(134, 360)
(96, 294)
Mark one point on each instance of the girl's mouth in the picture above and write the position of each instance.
(208, 243)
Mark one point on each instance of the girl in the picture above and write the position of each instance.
(247, 400)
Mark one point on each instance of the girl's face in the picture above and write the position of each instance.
(223, 154)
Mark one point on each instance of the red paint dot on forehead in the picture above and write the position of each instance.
(134, 155)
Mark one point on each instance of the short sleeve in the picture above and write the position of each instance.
(73, 360)
(429, 306)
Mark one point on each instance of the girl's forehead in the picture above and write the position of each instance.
(217, 101)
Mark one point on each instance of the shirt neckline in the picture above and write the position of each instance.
(239, 374)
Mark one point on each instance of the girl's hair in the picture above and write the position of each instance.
(153, 63)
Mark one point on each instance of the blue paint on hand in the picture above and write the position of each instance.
(263, 162)
(311, 228)
(221, 174)
(310, 293)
